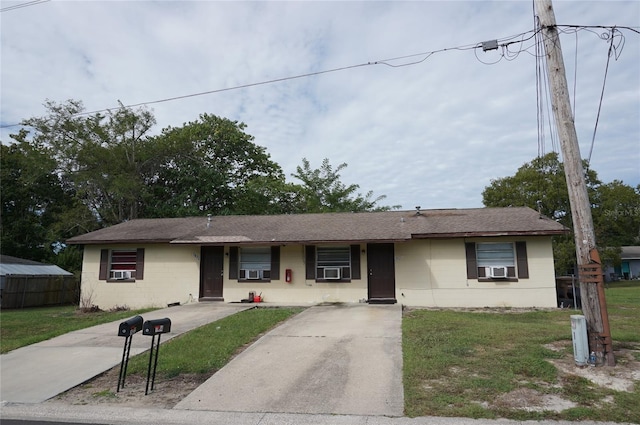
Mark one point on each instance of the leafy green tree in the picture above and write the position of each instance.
(322, 191)
(105, 159)
(104, 169)
(616, 214)
(35, 205)
(540, 184)
(269, 195)
(212, 166)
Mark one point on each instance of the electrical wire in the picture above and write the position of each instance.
(503, 43)
(21, 5)
(575, 78)
(386, 62)
(606, 71)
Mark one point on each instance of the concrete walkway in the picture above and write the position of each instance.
(326, 360)
(40, 371)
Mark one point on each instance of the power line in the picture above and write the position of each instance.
(606, 70)
(387, 62)
(503, 43)
(21, 5)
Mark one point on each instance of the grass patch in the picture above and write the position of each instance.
(459, 363)
(28, 326)
(207, 348)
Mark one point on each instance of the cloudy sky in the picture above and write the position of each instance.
(433, 132)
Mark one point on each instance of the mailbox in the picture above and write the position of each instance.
(130, 327)
(156, 327)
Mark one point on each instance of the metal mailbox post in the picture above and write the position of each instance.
(127, 329)
(153, 328)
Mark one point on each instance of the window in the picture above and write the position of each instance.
(121, 264)
(494, 254)
(254, 263)
(497, 260)
(333, 263)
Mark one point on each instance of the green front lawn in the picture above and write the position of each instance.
(456, 363)
(469, 363)
(28, 326)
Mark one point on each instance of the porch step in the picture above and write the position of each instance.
(382, 301)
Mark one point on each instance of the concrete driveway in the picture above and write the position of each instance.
(40, 371)
(327, 359)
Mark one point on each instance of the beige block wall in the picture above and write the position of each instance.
(433, 273)
(300, 291)
(171, 274)
(429, 273)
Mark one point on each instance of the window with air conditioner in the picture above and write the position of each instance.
(255, 263)
(333, 263)
(123, 264)
(497, 259)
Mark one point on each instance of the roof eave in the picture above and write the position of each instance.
(117, 241)
(487, 234)
(288, 241)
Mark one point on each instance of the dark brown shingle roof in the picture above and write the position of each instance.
(328, 227)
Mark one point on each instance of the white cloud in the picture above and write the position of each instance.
(432, 134)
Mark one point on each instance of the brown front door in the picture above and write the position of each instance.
(381, 273)
(211, 272)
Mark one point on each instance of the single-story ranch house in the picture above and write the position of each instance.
(486, 257)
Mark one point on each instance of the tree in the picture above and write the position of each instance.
(269, 195)
(36, 207)
(113, 169)
(105, 159)
(617, 214)
(322, 191)
(211, 166)
(541, 184)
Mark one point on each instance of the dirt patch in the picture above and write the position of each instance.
(622, 377)
(166, 394)
(532, 401)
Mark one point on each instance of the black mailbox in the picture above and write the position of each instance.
(131, 326)
(158, 326)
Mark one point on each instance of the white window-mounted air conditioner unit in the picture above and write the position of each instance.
(121, 274)
(253, 274)
(498, 272)
(331, 273)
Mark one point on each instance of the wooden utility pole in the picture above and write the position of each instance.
(594, 305)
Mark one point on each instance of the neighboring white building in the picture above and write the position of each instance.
(486, 257)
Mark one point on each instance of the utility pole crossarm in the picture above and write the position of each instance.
(590, 270)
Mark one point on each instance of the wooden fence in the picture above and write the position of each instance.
(38, 291)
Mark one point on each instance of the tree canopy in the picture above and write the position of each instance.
(541, 185)
(74, 172)
(323, 191)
